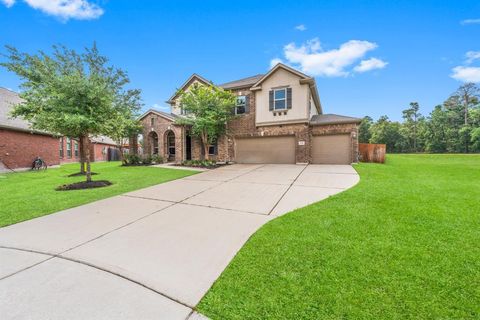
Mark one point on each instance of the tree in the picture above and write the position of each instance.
(364, 134)
(207, 111)
(388, 132)
(468, 95)
(67, 93)
(411, 117)
(123, 123)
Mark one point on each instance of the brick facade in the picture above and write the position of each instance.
(159, 130)
(18, 149)
(242, 126)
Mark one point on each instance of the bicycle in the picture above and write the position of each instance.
(39, 164)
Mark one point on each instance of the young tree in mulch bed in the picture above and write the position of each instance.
(71, 94)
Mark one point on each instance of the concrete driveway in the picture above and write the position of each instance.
(152, 253)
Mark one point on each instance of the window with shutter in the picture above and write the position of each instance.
(280, 99)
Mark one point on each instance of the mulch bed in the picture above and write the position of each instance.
(84, 185)
(78, 174)
(200, 167)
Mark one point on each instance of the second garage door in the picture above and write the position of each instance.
(265, 150)
(332, 149)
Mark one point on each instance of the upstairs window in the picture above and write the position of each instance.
(152, 121)
(240, 105)
(280, 99)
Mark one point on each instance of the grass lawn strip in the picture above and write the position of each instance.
(27, 195)
(402, 244)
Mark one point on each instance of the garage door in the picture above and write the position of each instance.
(334, 149)
(265, 150)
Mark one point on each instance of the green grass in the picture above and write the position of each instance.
(403, 244)
(26, 195)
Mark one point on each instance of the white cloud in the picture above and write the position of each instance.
(370, 64)
(466, 74)
(64, 9)
(274, 62)
(472, 56)
(301, 27)
(470, 21)
(312, 59)
(8, 3)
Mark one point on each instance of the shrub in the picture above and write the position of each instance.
(132, 160)
(147, 160)
(157, 159)
(199, 163)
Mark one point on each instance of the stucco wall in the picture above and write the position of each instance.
(300, 97)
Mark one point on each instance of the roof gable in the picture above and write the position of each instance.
(274, 69)
(194, 77)
(168, 116)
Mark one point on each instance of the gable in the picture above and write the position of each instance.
(195, 78)
(282, 68)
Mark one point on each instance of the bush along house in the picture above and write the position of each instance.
(20, 145)
(279, 120)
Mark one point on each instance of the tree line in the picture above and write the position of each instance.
(451, 127)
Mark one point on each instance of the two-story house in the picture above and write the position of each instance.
(279, 120)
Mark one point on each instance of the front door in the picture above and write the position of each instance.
(188, 145)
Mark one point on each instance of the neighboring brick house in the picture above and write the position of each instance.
(20, 145)
(279, 120)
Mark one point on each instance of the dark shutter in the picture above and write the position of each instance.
(289, 98)
(247, 104)
(270, 100)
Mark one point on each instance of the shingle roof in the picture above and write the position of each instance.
(322, 119)
(245, 82)
(171, 116)
(103, 139)
(8, 99)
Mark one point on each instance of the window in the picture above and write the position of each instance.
(152, 121)
(69, 147)
(280, 99)
(240, 105)
(212, 149)
(61, 147)
(75, 148)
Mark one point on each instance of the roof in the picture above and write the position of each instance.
(241, 83)
(330, 118)
(103, 139)
(8, 99)
(192, 78)
(169, 116)
(256, 85)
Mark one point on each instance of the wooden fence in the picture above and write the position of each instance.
(370, 152)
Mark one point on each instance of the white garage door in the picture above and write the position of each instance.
(265, 150)
(332, 149)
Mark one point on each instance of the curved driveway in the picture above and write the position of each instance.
(152, 253)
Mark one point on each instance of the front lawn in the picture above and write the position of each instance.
(31, 194)
(403, 244)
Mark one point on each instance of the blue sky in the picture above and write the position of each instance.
(368, 57)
